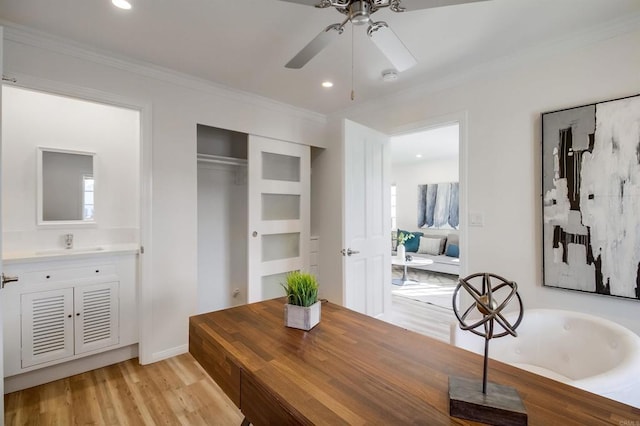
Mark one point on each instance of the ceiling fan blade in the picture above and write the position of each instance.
(391, 46)
(315, 46)
(410, 5)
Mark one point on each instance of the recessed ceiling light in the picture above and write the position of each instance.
(122, 4)
(418, 155)
(327, 84)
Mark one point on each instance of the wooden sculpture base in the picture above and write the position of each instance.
(500, 406)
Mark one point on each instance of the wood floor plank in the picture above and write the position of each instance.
(176, 391)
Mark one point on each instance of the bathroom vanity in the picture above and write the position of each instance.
(71, 310)
(71, 176)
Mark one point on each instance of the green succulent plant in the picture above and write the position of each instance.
(403, 237)
(301, 289)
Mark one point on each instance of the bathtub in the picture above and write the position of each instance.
(581, 350)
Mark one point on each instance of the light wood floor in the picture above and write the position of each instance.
(176, 391)
(423, 318)
(430, 320)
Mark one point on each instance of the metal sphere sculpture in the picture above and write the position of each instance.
(490, 300)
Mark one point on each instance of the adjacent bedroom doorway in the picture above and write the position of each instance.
(425, 204)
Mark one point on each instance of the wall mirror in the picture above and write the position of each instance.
(66, 187)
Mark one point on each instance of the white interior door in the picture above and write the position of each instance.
(279, 225)
(366, 220)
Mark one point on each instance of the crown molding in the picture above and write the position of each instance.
(31, 37)
(577, 40)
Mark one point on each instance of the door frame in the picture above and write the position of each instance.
(1, 242)
(145, 271)
(461, 118)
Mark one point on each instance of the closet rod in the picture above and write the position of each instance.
(218, 159)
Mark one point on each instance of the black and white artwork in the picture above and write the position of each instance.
(591, 198)
(438, 205)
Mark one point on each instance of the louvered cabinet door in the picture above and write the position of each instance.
(96, 314)
(47, 326)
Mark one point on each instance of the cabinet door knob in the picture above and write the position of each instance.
(78, 314)
(70, 315)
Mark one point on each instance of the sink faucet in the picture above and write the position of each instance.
(68, 241)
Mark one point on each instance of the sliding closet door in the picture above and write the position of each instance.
(279, 216)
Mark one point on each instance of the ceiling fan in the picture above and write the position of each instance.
(359, 12)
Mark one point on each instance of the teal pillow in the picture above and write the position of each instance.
(453, 251)
(412, 244)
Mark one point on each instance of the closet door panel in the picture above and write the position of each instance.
(279, 215)
(280, 207)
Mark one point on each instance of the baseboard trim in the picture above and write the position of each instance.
(67, 369)
(168, 353)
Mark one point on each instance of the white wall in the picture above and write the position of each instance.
(178, 105)
(407, 177)
(32, 119)
(222, 226)
(504, 167)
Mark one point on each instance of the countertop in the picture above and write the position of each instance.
(74, 253)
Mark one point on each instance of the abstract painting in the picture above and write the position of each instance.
(591, 198)
(438, 205)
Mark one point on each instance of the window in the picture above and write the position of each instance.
(394, 222)
(87, 197)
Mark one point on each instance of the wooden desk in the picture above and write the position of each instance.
(354, 369)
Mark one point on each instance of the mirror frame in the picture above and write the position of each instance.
(40, 190)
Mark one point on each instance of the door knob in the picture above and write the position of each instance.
(348, 252)
(7, 280)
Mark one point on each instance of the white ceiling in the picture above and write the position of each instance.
(244, 44)
(440, 143)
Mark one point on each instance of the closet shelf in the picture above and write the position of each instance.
(219, 159)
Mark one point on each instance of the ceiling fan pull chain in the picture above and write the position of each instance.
(353, 93)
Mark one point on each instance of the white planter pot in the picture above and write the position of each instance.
(304, 318)
(400, 252)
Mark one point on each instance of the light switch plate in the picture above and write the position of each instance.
(476, 219)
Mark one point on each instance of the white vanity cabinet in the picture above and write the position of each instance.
(58, 324)
(63, 308)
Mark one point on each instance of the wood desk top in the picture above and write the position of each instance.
(354, 369)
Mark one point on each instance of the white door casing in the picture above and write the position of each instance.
(1, 295)
(366, 220)
(279, 214)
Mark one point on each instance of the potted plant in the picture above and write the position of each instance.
(402, 238)
(303, 308)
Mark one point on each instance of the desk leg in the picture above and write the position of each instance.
(245, 422)
(402, 280)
